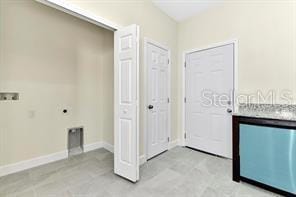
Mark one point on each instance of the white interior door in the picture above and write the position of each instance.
(208, 117)
(126, 85)
(158, 99)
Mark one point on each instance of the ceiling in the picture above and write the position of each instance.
(183, 9)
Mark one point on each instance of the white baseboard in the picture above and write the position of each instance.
(93, 146)
(173, 144)
(97, 145)
(143, 159)
(38, 161)
(31, 163)
(108, 147)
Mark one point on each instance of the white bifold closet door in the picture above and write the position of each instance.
(126, 102)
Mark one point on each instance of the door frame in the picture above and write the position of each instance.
(235, 78)
(81, 13)
(147, 40)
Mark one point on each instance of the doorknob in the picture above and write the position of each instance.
(229, 110)
(150, 106)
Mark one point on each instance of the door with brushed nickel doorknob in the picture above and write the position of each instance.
(158, 99)
(209, 99)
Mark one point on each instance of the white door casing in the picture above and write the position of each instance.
(208, 126)
(126, 102)
(158, 107)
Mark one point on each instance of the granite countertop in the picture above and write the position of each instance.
(270, 111)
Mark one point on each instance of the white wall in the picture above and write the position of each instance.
(107, 93)
(54, 61)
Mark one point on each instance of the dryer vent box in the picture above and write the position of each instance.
(75, 141)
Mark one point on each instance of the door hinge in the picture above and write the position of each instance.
(185, 135)
(185, 100)
(168, 61)
(185, 64)
(168, 100)
(168, 139)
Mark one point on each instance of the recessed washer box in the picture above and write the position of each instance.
(6, 96)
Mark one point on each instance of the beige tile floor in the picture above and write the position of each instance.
(180, 172)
